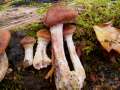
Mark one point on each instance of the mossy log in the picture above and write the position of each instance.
(18, 17)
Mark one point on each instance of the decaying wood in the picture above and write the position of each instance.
(18, 17)
(21, 16)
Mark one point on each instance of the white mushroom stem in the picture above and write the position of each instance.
(3, 65)
(74, 58)
(41, 60)
(46, 59)
(28, 59)
(61, 65)
(64, 78)
(57, 42)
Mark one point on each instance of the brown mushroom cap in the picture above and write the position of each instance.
(44, 33)
(69, 29)
(28, 40)
(59, 14)
(4, 40)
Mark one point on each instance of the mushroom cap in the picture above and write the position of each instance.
(4, 40)
(59, 14)
(69, 29)
(28, 40)
(44, 33)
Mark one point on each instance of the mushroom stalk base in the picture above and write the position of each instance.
(41, 60)
(3, 65)
(64, 78)
(28, 59)
(75, 60)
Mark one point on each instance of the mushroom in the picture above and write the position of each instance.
(28, 43)
(68, 33)
(4, 40)
(41, 60)
(55, 17)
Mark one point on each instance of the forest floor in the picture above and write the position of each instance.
(18, 16)
(101, 76)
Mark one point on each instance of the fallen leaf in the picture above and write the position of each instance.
(108, 36)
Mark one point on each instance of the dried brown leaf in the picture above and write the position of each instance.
(108, 36)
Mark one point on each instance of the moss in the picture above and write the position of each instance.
(95, 12)
(15, 84)
(42, 8)
(30, 29)
(1, 7)
(4, 7)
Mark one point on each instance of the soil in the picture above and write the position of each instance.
(102, 75)
(18, 16)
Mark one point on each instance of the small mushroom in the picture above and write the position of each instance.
(41, 60)
(4, 40)
(54, 19)
(68, 33)
(28, 43)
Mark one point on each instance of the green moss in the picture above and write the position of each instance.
(1, 7)
(42, 8)
(94, 12)
(30, 29)
(4, 7)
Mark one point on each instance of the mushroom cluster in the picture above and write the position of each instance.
(41, 60)
(55, 18)
(65, 79)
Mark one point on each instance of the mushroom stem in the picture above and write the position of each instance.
(28, 54)
(57, 42)
(41, 60)
(46, 59)
(28, 43)
(64, 78)
(4, 40)
(75, 59)
(3, 65)
(61, 65)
